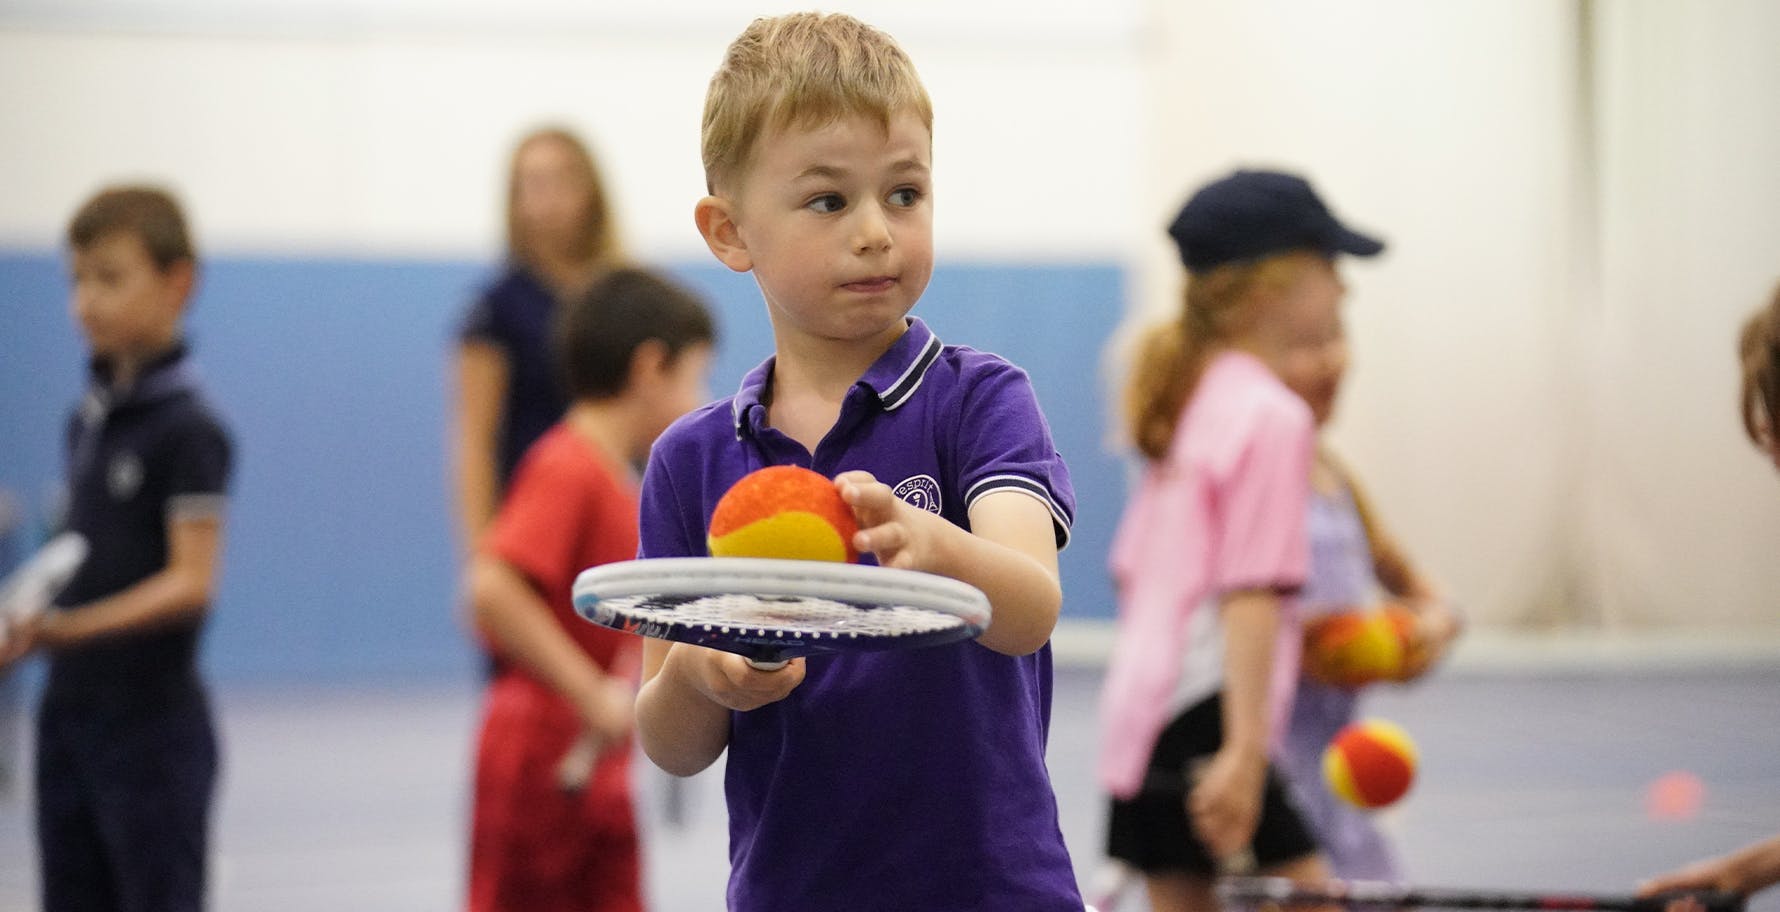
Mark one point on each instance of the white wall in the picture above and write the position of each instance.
(1687, 521)
(1448, 129)
(385, 126)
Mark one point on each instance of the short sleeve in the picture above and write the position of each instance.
(664, 528)
(1004, 444)
(542, 522)
(201, 458)
(1262, 503)
(482, 322)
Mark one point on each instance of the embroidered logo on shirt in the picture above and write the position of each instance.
(919, 491)
(124, 477)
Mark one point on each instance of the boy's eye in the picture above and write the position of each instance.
(827, 202)
(905, 196)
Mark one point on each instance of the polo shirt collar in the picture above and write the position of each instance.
(892, 379)
(161, 377)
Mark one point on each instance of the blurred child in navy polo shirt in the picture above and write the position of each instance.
(126, 752)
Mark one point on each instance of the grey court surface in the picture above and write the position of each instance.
(340, 800)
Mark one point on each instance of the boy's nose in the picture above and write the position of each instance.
(872, 229)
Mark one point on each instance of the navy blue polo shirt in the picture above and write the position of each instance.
(893, 780)
(516, 315)
(135, 459)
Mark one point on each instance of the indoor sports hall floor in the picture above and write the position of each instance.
(1531, 777)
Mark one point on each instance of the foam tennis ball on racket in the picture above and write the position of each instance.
(784, 512)
(1370, 763)
(1354, 648)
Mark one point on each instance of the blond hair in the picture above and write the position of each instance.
(1218, 303)
(1758, 347)
(598, 236)
(804, 69)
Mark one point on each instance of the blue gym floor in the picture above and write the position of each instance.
(355, 800)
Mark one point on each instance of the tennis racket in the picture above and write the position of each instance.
(30, 589)
(1259, 892)
(771, 611)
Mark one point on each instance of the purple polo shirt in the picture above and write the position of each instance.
(894, 780)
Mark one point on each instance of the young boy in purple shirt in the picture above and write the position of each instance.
(898, 780)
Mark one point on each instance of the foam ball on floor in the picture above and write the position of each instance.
(1675, 795)
(1370, 764)
(784, 512)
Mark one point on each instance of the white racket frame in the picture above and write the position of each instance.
(863, 586)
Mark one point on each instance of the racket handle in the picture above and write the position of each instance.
(769, 666)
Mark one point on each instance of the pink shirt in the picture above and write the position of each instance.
(1224, 511)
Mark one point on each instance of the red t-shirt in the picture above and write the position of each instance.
(569, 509)
(534, 846)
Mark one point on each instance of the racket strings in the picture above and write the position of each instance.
(789, 617)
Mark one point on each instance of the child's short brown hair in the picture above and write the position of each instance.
(598, 333)
(803, 69)
(149, 213)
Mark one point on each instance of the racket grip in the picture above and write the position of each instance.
(769, 666)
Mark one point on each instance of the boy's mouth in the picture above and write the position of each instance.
(872, 285)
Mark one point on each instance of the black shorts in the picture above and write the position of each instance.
(1150, 832)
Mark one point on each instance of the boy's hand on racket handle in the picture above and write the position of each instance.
(897, 533)
(730, 681)
(1224, 802)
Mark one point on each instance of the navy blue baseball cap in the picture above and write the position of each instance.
(1252, 214)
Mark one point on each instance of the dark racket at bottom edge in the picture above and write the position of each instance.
(1236, 893)
(770, 611)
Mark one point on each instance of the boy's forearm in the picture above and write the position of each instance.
(1251, 623)
(169, 596)
(1757, 867)
(520, 626)
(1025, 597)
(681, 730)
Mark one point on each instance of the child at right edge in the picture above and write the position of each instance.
(907, 780)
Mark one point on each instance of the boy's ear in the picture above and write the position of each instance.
(181, 278)
(715, 216)
(648, 362)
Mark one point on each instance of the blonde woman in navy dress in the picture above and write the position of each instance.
(560, 239)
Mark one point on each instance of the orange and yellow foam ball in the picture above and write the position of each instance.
(1370, 763)
(783, 512)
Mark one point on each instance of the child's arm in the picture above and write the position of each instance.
(688, 693)
(1437, 625)
(1010, 553)
(1745, 871)
(509, 612)
(180, 590)
(481, 385)
(1225, 802)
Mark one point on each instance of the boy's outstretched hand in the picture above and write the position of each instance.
(898, 534)
(729, 681)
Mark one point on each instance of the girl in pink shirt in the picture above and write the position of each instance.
(1213, 544)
